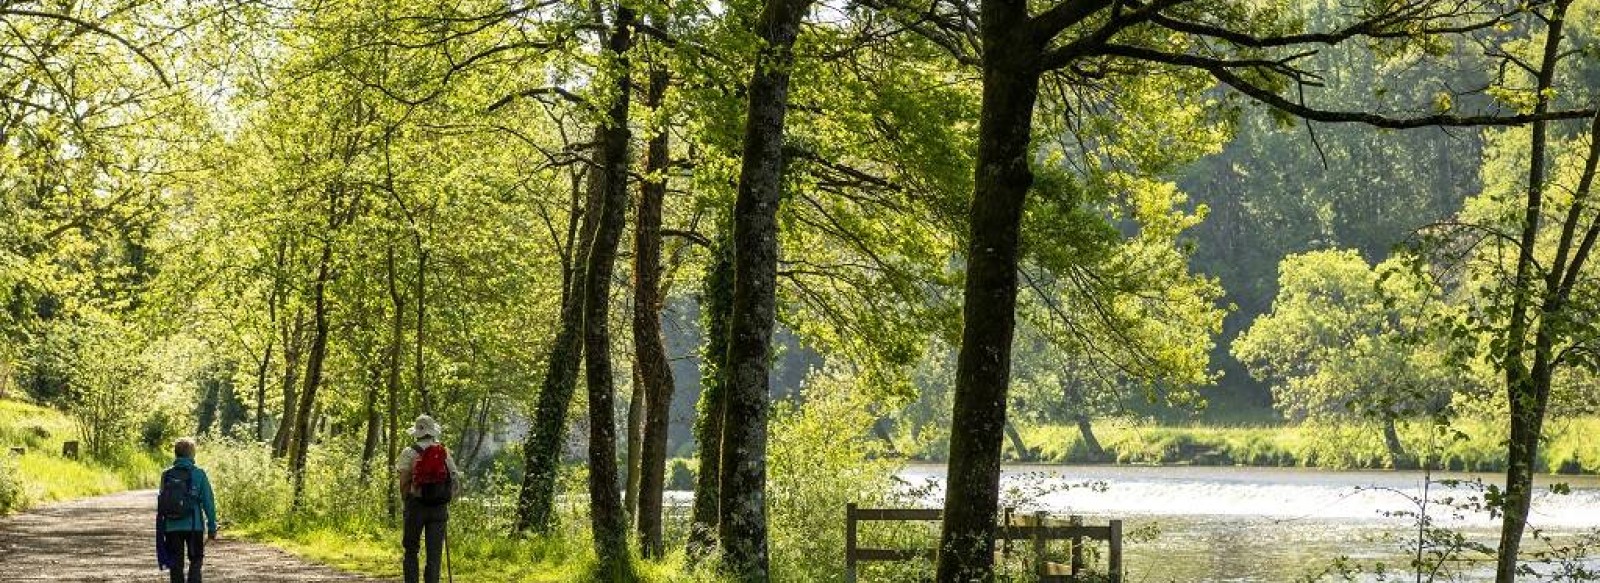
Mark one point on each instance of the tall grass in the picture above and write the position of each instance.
(42, 475)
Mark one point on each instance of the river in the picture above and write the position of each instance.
(1238, 524)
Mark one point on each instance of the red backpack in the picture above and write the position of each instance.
(431, 474)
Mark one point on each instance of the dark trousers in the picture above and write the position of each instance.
(195, 542)
(420, 520)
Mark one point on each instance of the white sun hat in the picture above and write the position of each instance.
(425, 425)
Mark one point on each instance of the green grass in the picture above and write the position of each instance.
(42, 475)
(1470, 445)
(561, 558)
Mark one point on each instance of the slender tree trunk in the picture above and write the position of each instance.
(607, 518)
(983, 366)
(1023, 455)
(261, 391)
(273, 298)
(743, 507)
(293, 344)
(1086, 431)
(716, 306)
(392, 361)
(542, 448)
(369, 446)
(300, 439)
(653, 370)
(1397, 450)
(1527, 389)
(635, 434)
(422, 327)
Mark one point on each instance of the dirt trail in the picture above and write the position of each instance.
(112, 539)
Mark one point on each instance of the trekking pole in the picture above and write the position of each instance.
(448, 570)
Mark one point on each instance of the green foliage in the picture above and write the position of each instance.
(821, 458)
(1347, 340)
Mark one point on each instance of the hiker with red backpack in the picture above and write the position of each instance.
(428, 481)
(186, 514)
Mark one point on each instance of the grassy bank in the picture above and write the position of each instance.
(1469, 445)
(42, 475)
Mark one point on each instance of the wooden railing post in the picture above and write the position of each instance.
(850, 543)
(1116, 551)
(1077, 545)
(1005, 532)
(1040, 565)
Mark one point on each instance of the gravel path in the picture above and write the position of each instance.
(112, 539)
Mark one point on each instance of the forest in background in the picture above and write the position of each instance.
(586, 237)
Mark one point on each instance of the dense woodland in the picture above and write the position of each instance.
(606, 243)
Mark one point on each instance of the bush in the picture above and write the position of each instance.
(821, 458)
(10, 487)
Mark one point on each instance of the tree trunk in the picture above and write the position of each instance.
(369, 445)
(1023, 455)
(300, 439)
(716, 305)
(1391, 441)
(652, 369)
(261, 392)
(635, 434)
(607, 518)
(743, 505)
(983, 366)
(293, 340)
(542, 448)
(392, 361)
(273, 298)
(1527, 389)
(1086, 431)
(422, 327)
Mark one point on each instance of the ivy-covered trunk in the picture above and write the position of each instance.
(716, 304)
(542, 448)
(983, 366)
(650, 351)
(743, 504)
(607, 518)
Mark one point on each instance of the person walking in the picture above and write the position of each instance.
(428, 482)
(186, 514)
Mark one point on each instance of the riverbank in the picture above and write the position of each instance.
(1468, 446)
(41, 474)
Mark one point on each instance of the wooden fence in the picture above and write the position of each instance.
(1039, 529)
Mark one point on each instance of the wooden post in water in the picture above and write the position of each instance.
(1115, 558)
(1077, 545)
(69, 450)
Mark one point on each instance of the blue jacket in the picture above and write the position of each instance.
(208, 502)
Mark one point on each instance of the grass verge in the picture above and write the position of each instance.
(42, 475)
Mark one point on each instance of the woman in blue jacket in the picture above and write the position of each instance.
(185, 536)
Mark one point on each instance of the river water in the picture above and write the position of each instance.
(1271, 524)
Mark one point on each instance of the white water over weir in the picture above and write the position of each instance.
(1272, 524)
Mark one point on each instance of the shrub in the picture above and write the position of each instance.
(10, 486)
